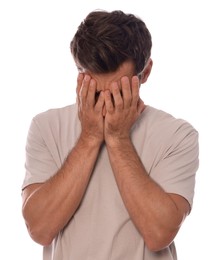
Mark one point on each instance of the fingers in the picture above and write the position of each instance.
(79, 84)
(113, 98)
(116, 98)
(90, 101)
(125, 98)
(84, 90)
(126, 92)
(135, 90)
(86, 93)
(100, 102)
(108, 101)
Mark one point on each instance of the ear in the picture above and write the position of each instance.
(146, 72)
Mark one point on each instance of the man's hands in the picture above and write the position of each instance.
(122, 109)
(109, 117)
(90, 110)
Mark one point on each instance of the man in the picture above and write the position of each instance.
(109, 177)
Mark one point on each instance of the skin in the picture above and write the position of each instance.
(106, 120)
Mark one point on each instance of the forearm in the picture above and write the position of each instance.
(152, 210)
(49, 208)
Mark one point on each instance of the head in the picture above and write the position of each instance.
(105, 41)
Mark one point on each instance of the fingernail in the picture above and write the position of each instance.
(87, 77)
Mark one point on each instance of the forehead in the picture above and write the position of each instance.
(127, 68)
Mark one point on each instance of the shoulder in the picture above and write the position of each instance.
(53, 120)
(165, 123)
(55, 113)
(164, 132)
(55, 116)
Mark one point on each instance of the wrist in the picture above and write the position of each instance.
(117, 142)
(90, 141)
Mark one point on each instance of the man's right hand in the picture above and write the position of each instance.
(90, 110)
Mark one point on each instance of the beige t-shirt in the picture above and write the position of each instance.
(101, 229)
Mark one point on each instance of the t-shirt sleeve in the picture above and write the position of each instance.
(176, 171)
(39, 164)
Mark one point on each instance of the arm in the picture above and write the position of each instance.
(157, 214)
(48, 207)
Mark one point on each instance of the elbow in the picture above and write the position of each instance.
(40, 237)
(37, 230)
(160, 240)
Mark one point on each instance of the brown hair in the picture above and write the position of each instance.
(104, 40)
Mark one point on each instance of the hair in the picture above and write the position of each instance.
(104, 40)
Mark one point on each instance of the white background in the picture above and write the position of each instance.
(37, 73)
